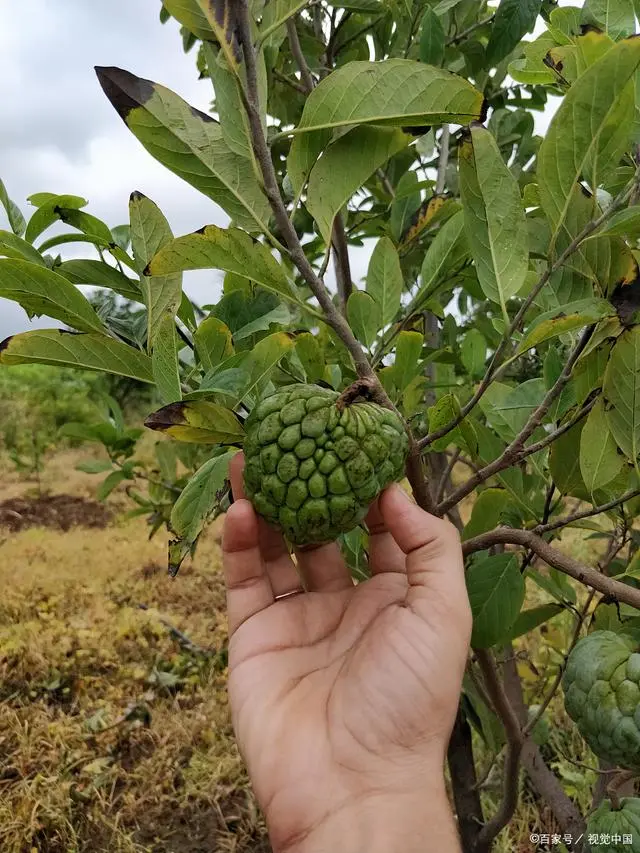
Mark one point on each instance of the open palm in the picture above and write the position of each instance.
(340, 687)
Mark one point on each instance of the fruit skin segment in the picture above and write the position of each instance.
(621, 822)
(601, 685)
(313, 465)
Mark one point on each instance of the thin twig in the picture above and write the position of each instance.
(288, 81)
(294, 42)
(533, 722)
(446, 474)
(577, 516)
(469, 31)
(575, 244)
(443, 160)
(516, 450)
(612, 589)
(515, 742)
(341, 262)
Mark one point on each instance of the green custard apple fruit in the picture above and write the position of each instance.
(602, 695)
(313, 465)
(617, 829)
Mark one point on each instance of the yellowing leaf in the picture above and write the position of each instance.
(197, 421)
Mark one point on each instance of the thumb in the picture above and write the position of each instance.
(432, 546)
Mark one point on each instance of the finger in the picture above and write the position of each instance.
(275, 554)
(385, 555)
(248, 588)
(434, 556)
(236, 467)
(323, 568)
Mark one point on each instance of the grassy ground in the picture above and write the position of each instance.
(114, 737)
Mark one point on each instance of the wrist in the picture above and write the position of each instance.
(382, 822)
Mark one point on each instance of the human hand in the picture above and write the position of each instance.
(343, 697)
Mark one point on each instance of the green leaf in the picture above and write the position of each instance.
(86, 351)
(404, 206)
(265, 355)
(473, 352)
(211, 20)
(233, 117)
(99, 466)
(496, 594)
(364, 315)
(199, 499)
(85, 222)
(41, 291)
(213, 343)
(345, 166)
(12, 246)
(616, 16)
(109, 484)
(552, 328)
(621, 391)
(190, 15)
(279, 316)
(150, 231)
(432, 38)
(228, 249)
(486, 512)
(14, 214)
(445, 410)
(600, 461)
(625, 223)
(584, 135)
(512, 20)
(407, 361)
(495, 221)
(531, 619)
(164, 358)
(189, 143)
(446, 251)
(276, 13)
(310, 353)
(99, 274)
(47, 212)
(399, 92)
(384, 279)
(197, 421)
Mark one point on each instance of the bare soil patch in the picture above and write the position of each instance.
(61, 512)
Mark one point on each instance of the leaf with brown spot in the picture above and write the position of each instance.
(197, 421)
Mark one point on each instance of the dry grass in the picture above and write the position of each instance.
(113, 737)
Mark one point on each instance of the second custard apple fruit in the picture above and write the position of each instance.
(602, 695)
(313, 467)
(617, 829)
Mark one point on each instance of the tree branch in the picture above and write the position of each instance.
(443, 160)
(294, 42)
(582, 615)
(576, 516)
(515, 742)
(514, 452)
(543, 779)
(575, 244)
(612, 589)
(333, 316)
(272, 191)
(470, 30)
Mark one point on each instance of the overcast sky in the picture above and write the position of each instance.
(60, 134)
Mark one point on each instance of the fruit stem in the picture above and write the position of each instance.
(366, 388)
